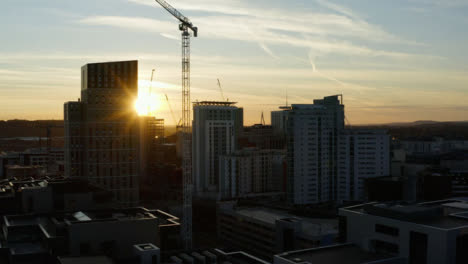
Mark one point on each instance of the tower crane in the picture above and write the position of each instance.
(184, 26)
(172, 112)
(221, 89)
(167, 100)
(150, 89)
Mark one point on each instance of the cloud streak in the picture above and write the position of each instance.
(327, 31)
(234, 29)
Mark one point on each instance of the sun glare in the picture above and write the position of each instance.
(147, 104)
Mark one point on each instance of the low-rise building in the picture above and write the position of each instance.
(48, 195)
(214, 256)
(264, 231)
(337, 254)
(40, 238)
(431, 232)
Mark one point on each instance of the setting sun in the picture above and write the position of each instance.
(147, 104)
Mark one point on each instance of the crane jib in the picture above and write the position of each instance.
(185, 21)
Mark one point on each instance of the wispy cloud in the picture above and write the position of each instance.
(442, 3)
(234, 29)
(328, 31)
(344, 85)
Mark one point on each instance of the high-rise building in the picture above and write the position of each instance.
(151, 140)
(279, 120)
(73, 117)
(102, 130)
(326, 162)
(363, 154)
(216, 127)
(313, 133)
(262, 137)
(251, 172)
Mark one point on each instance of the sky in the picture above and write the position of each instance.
(393, 61)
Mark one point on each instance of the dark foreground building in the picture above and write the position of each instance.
(115, 233)
(102, 129)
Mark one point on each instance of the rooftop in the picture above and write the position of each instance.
(217, 256)
(98, 215)
(85, 260)
(214, 103)
(445, 214)
(310, 226)
(348, 253)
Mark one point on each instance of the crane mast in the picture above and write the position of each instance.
(184, 26)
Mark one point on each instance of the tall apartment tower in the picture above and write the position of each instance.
(102, 129)
(216, 127)
(313, 132)
(279, 120)
(73, 117)
(363, 154)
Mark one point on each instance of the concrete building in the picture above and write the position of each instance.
(8, 159)
(313, 136)
(214, 256)
(432, 145)
(74, 139)
(326, 162)
(117, 233)
(216, 127)
(151, 141)
(252, 172)
(363, 154)
(279, 120)
(48, 195)
(336, 254)
(263, 137)
(431, 232)
(34, 162)
(264, 231)
(102, 130)
(24, 172)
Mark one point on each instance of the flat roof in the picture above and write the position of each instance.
(443, 214)
(85, 260)
(310, 226)
(98, 215)
(26, 248)
(338, 254)
(109, 62)
(218, 103)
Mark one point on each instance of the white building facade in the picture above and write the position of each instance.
(325, 161)
(251, 172)
(313, 133)
(363, 154)
(432, 232)
(216, 126)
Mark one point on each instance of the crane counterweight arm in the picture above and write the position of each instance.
(183, 19)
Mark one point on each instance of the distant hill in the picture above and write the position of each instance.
(415, 123)
(417, 129)
(425, 129)
(27, 128)
(37, 128)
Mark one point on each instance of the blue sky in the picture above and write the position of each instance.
(393, 60)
